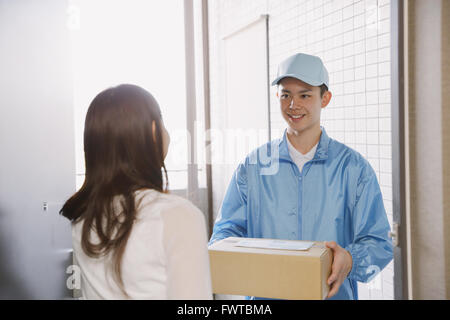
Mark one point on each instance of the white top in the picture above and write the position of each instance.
(166, 256)
(299, 158)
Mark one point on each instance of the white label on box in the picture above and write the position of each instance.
(275, 244)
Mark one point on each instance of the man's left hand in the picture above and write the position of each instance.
(341, 267)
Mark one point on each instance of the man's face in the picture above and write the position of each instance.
(301, 104)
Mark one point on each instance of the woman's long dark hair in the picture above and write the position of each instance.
(122, 156)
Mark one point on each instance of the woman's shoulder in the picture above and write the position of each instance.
(152, 200)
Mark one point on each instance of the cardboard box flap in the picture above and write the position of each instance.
(229, 244)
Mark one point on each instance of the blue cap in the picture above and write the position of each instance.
(307, 68)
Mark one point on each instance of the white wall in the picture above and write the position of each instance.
(37, 162)
(353, 39)
(428, 147)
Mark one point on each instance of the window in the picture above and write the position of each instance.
(139, 42)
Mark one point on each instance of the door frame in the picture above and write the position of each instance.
(400, 166)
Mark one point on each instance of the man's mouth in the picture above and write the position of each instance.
(297, 117)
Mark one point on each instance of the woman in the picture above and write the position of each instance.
(131, 239)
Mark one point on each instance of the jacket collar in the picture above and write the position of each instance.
(321, 152)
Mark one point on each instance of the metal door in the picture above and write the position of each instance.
(37, 162)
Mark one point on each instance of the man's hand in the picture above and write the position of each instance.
(341, 267)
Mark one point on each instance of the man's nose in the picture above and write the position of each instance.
(294, 104)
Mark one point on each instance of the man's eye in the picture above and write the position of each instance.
(304, 96)
(284, 96)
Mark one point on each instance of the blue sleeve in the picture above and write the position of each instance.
(232, 218)
(371, 249)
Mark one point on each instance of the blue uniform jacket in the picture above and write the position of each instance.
(335, 197)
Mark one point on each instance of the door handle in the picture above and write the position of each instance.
(394, 234)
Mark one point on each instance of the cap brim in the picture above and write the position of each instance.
(307, 80)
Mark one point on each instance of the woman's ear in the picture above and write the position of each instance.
(154, 131)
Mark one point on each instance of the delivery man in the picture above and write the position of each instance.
(308, 186)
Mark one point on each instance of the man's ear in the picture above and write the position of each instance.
(326, 98)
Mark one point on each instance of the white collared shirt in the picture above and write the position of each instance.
(299, 158)
(166, 255)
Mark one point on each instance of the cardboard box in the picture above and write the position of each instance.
(270, 273)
